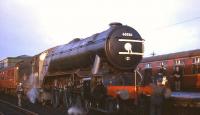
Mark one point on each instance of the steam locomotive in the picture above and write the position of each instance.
(68, 74)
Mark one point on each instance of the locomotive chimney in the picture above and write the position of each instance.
(115, 24)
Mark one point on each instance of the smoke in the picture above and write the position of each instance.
(32, 92)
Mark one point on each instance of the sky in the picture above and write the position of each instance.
(28, 27)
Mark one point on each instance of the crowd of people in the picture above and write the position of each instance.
(172, 80)
(162, 86)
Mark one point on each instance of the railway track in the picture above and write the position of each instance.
(36, 107)
(7, 108)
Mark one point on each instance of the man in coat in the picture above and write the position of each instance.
(19, 91)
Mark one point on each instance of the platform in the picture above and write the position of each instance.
(186, 95)
(186, 99)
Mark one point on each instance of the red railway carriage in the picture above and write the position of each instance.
(8, 79)
(10, 76)
(188, 61)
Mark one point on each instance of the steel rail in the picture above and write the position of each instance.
(18, 108)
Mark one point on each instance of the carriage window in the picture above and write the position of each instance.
(163, 64)
(193, 69)
(196, 65)
(179, 62)
(196, 60)
(1, 76)
(148, 65)
(199, 68)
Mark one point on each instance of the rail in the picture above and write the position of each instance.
(18, 108)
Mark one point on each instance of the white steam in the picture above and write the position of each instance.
(75, 111)
(32, 92)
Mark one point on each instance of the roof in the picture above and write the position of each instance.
(176, 55)
(19, 57)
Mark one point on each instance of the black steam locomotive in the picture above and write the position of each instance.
(89, 71)
(111, 56)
